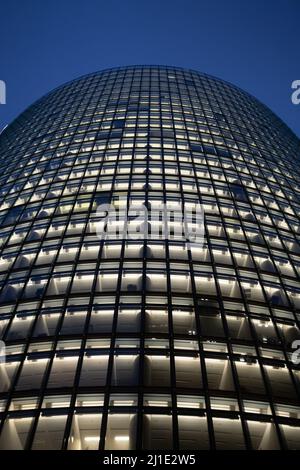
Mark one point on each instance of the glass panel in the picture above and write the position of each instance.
(125, 370)
(157, 432)
(49, 433)
(263, 435)
(14, 433)
(219, 375)
(157, 371)
(250, 378)
(32, 374)
(188, 372)
(281, 382)
(193, 433)
(292, 436)
(85, 432)
(228, 434)
(62, 372)
(120, 432)
(7, 374)
(93, 371)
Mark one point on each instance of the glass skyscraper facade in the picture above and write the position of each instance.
(149, 344)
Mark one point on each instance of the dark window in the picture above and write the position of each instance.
(118, 124)
(196, 148)
(238, 192)
(224, 153)
(209, 149)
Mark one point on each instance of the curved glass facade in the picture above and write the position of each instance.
(149, 344)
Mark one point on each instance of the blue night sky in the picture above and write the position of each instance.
(253, 44)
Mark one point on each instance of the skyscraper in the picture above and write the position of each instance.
(117, 342)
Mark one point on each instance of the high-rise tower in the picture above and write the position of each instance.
(125, 343)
